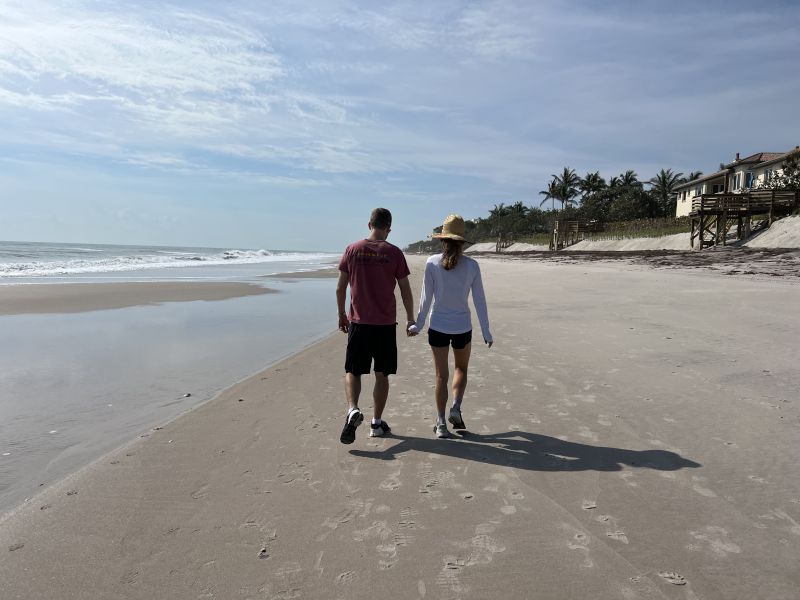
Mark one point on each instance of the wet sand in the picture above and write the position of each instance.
(86, 297)
(633, 433)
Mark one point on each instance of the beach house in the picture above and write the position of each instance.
(739, 176)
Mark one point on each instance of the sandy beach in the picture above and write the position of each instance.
(633, 433)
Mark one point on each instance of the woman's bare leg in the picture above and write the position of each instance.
(440, 356)
(460, 373)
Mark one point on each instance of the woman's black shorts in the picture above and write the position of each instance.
(368, 343)
(437, 339)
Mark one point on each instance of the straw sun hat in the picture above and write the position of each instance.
(452, 229)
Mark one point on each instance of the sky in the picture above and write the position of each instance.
(281, 124)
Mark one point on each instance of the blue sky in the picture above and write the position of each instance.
(281, 124)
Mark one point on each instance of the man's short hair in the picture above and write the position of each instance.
(381, 218)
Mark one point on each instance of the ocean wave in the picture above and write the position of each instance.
(160, 260)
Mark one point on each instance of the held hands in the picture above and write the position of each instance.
(411, 329)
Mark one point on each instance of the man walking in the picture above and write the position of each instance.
(371, 267)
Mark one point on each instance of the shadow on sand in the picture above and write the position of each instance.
(533, 452)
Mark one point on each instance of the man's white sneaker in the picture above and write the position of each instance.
(351, 421)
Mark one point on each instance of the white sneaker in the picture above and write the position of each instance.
(379, 430)
(455, 418)
(441, 431)
(351, 421)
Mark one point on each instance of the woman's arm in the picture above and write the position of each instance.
(425, 296)
(479, 298)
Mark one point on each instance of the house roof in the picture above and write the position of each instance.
(758, 157)
(701, 179)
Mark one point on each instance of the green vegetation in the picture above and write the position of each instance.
(623, 207)
(591, 199)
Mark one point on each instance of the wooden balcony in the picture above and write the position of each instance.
(714, 214)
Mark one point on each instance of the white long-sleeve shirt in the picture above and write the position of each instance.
(448, 292)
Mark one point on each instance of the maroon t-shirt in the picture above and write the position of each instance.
(374, 268)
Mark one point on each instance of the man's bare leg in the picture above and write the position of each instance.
(380, 393)
(352, 390)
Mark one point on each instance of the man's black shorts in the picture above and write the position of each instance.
(366, 343)
(437, 339)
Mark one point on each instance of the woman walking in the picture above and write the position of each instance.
(449, 279)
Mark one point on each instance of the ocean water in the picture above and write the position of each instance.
(35, 261)
(74, 386)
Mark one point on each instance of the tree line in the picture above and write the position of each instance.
(623, 198)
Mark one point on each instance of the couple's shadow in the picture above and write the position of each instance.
(533, 452)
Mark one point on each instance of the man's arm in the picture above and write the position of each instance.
(408, 300)
(341, 296)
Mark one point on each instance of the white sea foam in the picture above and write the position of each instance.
(159, 259)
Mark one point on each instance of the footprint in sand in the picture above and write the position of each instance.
(618, 536)
(15, 547)
(716, 538)
(346, 577)
(580, 541)
(390, 484)
(467, 496)
(589, 505)
(672, 577)
(700, 489)
(449, 577)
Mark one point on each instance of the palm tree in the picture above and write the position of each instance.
(614, 182)
(693, 175)
(499, 210)
(518, 209)
(592, 183)
(663, 186)
(551, 193)
(567, 183)
(630, 179)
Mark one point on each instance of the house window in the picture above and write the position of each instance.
(748, 179)
(737, 181)
(716, 188)
(698, 190)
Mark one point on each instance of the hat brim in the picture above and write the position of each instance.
(448, 236)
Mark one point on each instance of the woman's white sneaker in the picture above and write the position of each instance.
(441, 431)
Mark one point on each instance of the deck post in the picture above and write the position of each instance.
(700, 231)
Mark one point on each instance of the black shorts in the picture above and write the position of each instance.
(366, 343)
(437, 339)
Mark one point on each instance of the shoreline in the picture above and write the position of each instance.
(62, 298)
(628, 482)
(63, 481)
(79, 377)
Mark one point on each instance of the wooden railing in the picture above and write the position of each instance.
(755, 202)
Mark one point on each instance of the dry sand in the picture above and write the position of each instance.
(784, 233)
(85, 297)
(634, 433)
